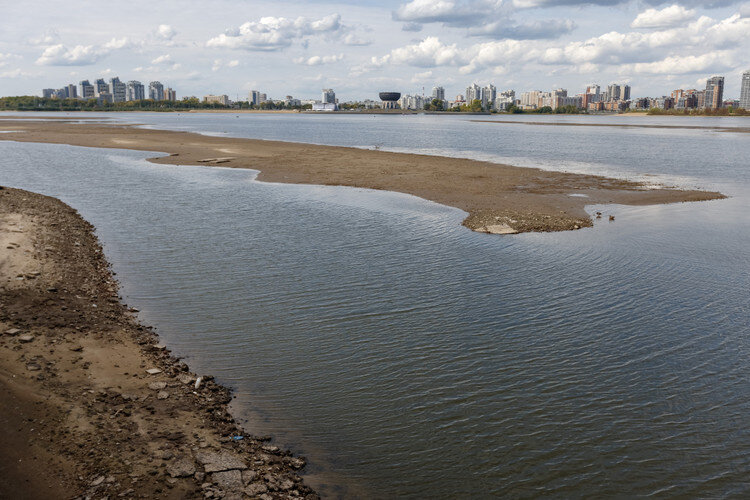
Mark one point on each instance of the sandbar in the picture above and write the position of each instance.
(495, 196)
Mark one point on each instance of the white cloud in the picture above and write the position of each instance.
(668, 17)
(80, 55)
(218, 64)
(428, 53)
(318, 60)
(421, 77)
(353, 40)
(162, 59)
(15, 73)
(680, 65)
(448, 12)
(274, 33)
(165, 32)
(537, 30)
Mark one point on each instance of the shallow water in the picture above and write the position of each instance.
(406, 355)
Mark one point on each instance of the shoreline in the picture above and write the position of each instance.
(93, 404)
(499, 199)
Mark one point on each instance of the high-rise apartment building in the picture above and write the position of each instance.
(714, 92)
(156, 91)
(71, 92)
(745, 90)
(48, 93)
(328, 97)
(170, 94)
(100, 87)
(117, 89)
(438, 93)
(473, 93)
(135, 91)
(86, 90)
(489, 94)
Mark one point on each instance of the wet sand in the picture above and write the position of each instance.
(92, 405)
(498, 198)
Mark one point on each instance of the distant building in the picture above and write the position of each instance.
(745, 90)
(156, 91)
(324, 106)
(254, 97)
(505, 99)
(135, 91)
(71, 92)
(100, 86)
(86, 90)
(389, 100)
(530, 100)
(473, 93)
(328, 97)
(170, 94)
(48, 93)
(438, 93)
(489, 94)
(217, 99)
(117, 89)
(714, 92)
(291, 102)
(416, 102)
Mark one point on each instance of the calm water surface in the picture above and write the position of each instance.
(408, 356)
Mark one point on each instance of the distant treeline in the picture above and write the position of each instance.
(33, 103)
(728, 111)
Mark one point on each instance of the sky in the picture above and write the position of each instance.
(361, 48)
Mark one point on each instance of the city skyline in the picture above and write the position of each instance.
(298, 48)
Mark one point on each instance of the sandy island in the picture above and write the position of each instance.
(498, 198)
(92, 405)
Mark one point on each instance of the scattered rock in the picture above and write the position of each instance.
(230, 480)
(185, 378)
(12, 331)
(256, 489)
(153, 371)
(76, 348)
(248, 476)
(157, 386)
(220, 461)
(162, 395)
(33, 367)
(26, 338)
(181, 467)
(96, 482)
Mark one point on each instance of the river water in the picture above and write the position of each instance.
(405, 355)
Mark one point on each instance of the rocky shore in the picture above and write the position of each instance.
(93, 405)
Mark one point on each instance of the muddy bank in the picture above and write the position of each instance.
(498, 198)
(93, 405)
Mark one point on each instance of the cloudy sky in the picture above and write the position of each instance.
(297, 48)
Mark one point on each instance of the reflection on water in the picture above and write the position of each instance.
(406, 355)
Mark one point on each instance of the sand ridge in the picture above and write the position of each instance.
(524, 199)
